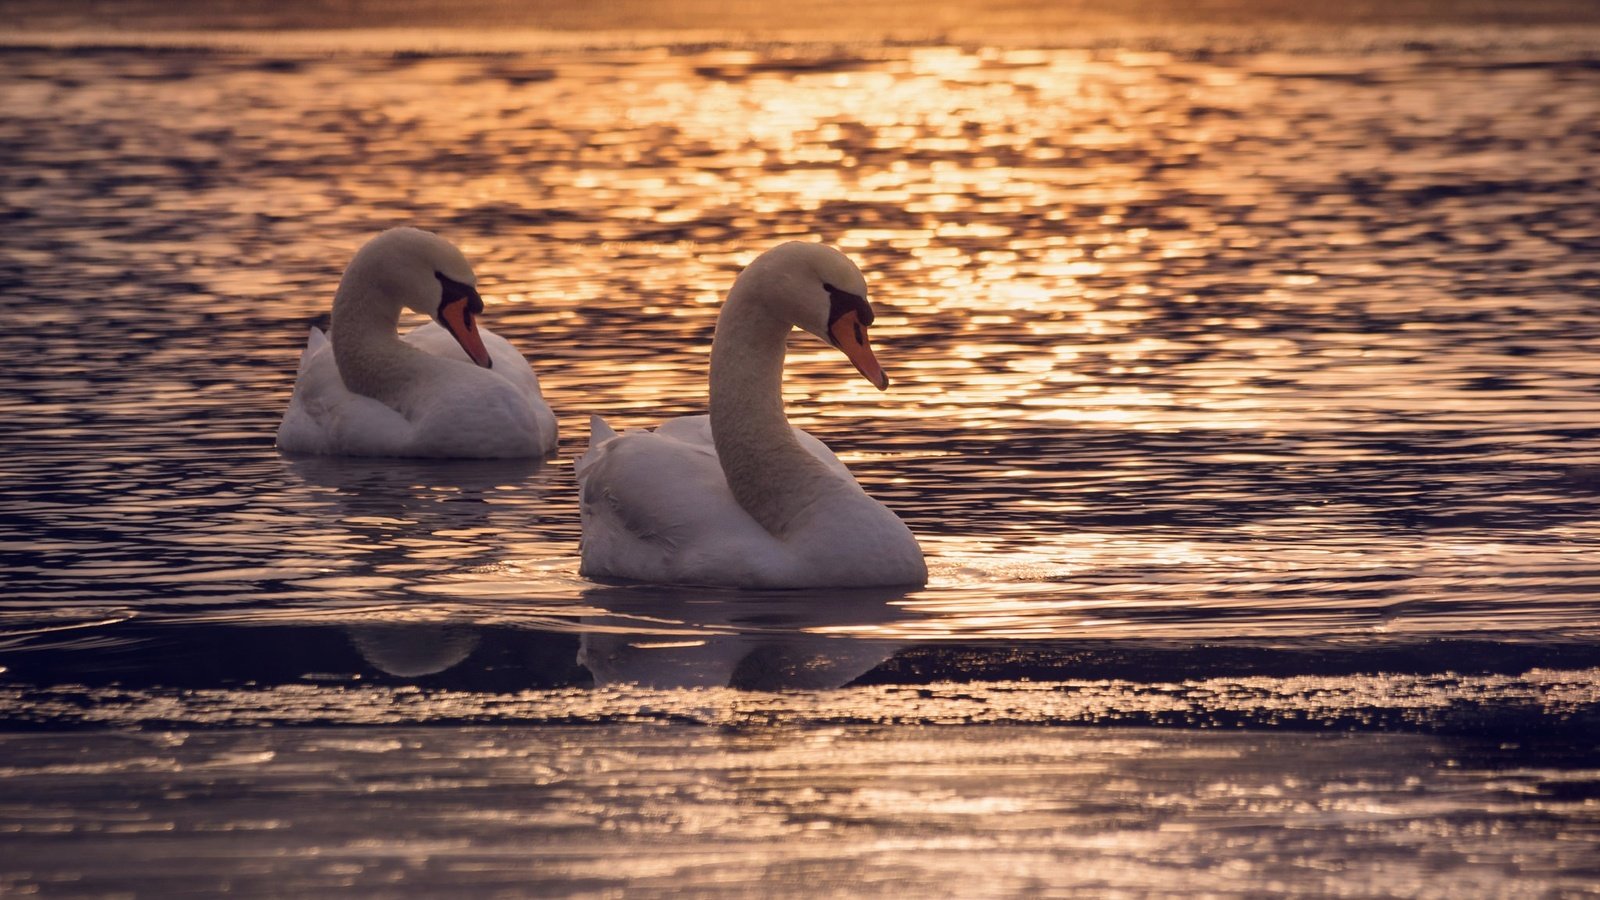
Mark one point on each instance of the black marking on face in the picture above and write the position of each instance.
(452, 291)
(841, 302)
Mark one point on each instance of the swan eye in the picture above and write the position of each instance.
(841, 302)
(451, 290)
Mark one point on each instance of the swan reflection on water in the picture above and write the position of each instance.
(703, 638)
(373, 484)
(669, 639)
(648, 635)
(413, 651)
(393, 520)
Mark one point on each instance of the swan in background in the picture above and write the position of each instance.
(446, 390)
(741, 498)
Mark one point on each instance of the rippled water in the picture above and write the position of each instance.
(982, 812)
(1208, 367)
(1289, 345)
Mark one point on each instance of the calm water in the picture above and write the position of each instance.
(1229, 390)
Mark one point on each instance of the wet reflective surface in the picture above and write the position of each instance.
(1234, 389)
(978, 811)
(1306, 339)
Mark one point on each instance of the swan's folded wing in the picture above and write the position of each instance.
(654, 487)
(325, 417)
(508, 363)
(509, 366)
(692, 430)
(696, 431)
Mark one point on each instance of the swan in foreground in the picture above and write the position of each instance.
(447, 389)
(740, 497)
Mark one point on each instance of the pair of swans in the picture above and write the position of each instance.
(737, 498)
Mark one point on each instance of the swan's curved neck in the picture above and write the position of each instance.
(771, 475)
(372, 359)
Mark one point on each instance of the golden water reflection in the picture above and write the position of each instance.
(1181, 346)
(999, 811)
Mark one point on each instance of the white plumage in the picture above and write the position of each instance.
(421, 396)
(755, 502)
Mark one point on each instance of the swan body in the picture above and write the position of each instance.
(447, 389)
(740, 497)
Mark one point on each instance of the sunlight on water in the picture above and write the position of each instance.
(1247, 345)
(1243, 396)
(974, 812)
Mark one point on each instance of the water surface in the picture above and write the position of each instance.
(1279, 345)
(1230, 389)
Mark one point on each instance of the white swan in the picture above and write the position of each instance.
(741, 498)
(446, 390)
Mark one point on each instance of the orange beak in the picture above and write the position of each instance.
(850, 336)
(459, 321)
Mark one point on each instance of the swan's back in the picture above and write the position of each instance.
(656, 507)
(648, 496)
(458, 411)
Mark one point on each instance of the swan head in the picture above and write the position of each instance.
(426, 274)
(818, 289)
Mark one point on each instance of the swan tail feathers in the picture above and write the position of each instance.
(599, 433)
(315, 341)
